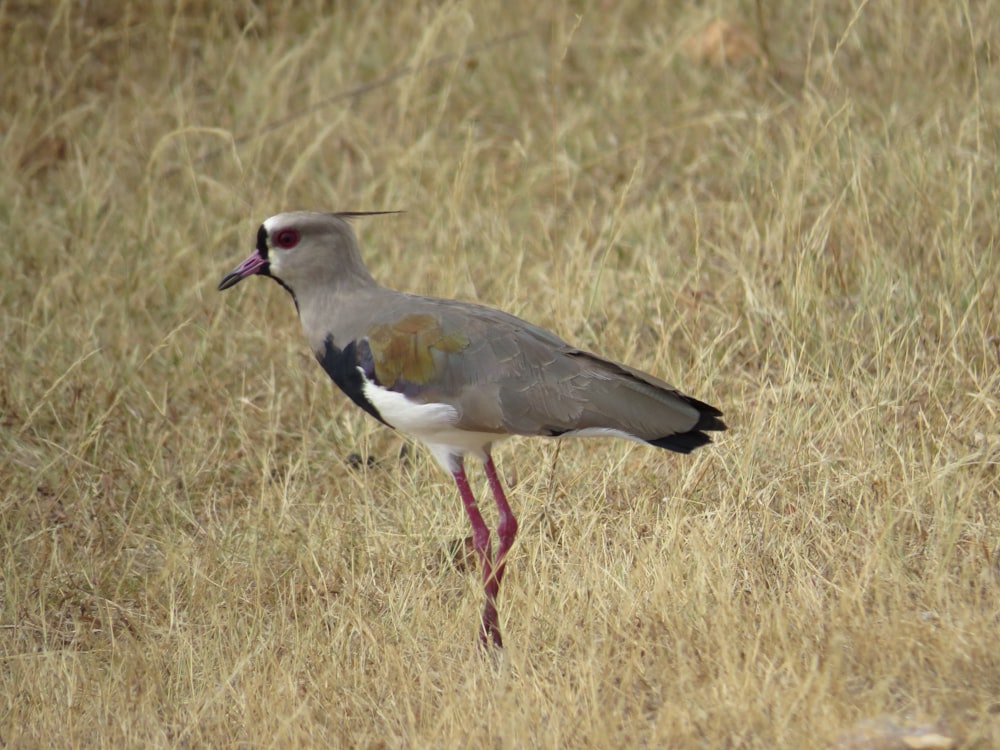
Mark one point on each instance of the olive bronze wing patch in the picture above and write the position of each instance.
(412, 350)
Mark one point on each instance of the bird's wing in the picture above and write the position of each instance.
(504, 375)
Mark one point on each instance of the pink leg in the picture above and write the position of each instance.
(507, 526)
(490, 630)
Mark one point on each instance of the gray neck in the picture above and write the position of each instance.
(332, 309)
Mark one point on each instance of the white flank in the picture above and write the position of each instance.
(601, 432)
(432, 424)
(409, 416)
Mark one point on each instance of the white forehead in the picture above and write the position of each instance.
(303, 220)
(275, 221)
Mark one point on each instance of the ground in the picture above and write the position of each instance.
(789, 210)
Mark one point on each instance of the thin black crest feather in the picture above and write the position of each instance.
(355, 214)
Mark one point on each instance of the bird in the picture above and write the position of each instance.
(459, 376)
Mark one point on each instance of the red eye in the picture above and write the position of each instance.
(286, 238)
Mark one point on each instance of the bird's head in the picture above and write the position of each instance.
(303, 249)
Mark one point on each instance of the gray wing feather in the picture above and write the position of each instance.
(514, 377)
(528, 381)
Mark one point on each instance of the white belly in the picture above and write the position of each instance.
(432, 424)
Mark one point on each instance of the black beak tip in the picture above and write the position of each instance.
(229, 280)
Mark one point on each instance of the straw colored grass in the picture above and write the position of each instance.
(805, 237)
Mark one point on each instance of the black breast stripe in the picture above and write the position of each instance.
(342, 366)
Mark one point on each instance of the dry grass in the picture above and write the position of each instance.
(188, 557)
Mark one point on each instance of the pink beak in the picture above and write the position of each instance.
(256, 263)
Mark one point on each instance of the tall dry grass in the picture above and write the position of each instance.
(807, 238)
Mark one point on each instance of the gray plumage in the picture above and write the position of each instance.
(456, 375)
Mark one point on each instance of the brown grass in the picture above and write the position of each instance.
(189, 558)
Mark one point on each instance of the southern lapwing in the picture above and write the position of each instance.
(459, 376)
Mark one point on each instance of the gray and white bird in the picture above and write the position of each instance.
(459, 376)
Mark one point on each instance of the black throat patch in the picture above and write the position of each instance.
(342, 365)
(266, 270)
(262, 241)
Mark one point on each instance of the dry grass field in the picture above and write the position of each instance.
(800, 226)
